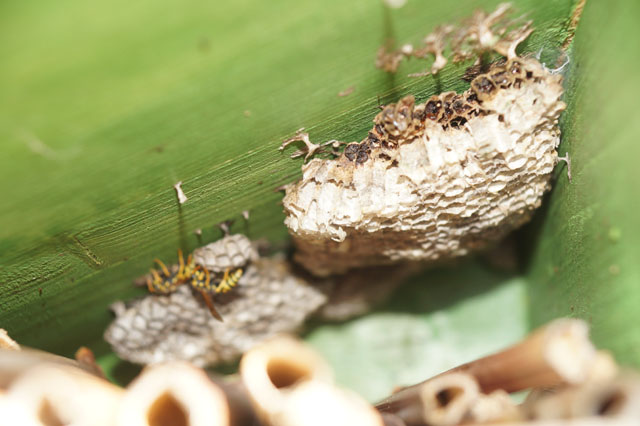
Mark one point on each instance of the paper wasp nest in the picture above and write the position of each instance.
(268, 300)
(434, 180)
(233, 251)
(271, 297)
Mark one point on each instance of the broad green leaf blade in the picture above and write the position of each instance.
(105, 107)
(587, 242)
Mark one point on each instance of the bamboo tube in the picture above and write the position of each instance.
(240, 409)
(619, 398)
(495, 407)
(316, 403)
(586, 421)
(555, 354)
(389, 419)
(447, 399)
(60, 395)
(604, 368)
(14, 412)
(289, 384)
(14, 363)
(272, 369)
(7, 342)
(173, 394)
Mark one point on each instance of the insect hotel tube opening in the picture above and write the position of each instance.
(284, 374)
(271, 370)
(60, 395)
(614, 399)
(289, 384)
(174, 394)
(447, 399)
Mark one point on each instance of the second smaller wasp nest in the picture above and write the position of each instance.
(271, 297)
(268, 300)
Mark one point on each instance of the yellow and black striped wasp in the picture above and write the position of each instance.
(167, 281)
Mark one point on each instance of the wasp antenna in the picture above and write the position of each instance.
(223, 285)
(162, 266)
(211, 307)
(181, 263)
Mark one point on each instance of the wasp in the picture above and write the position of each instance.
(167, 280)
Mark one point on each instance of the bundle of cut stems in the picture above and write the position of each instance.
(558, 356)
(284, 383)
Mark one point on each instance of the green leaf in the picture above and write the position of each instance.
(586, 243)
(105, 107)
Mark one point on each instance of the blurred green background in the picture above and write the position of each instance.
(103, 107)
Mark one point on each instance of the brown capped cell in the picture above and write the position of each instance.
(459, 106)
(515, 68)
(420, 114)
(389, 144)
(446, 113)
(457, 122)
(500, 78)
(432, 109)
(483, 85)
(405, 107)
(374, 140)
(396, 118)
(472, 97)
(362, 157)
(351, 151)
(449, 97)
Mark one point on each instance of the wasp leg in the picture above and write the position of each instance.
(164, 268)
(157, 280)
(223, 285)
(210, 305)
(150, 286)
(189, 268)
